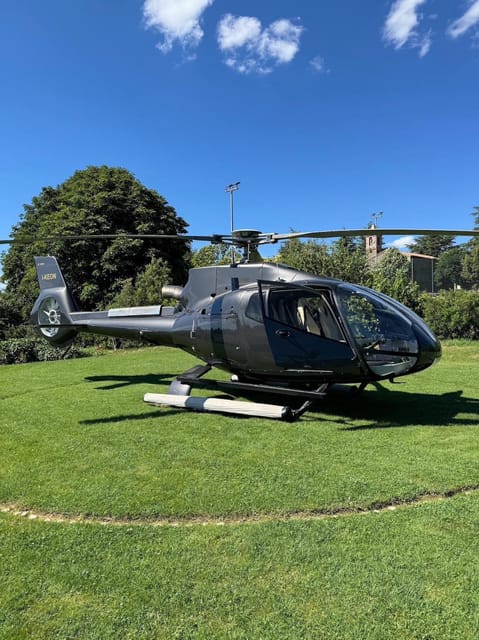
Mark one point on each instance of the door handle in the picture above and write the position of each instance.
(283, 333)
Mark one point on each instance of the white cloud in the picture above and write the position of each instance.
(465, 22)
(237, 31)
(403, 243)
(319, 64)
(401, 26)
(250, 48)
(176, 20)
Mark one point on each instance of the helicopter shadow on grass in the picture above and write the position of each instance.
(117, 382)
(121, 381)
(381, 408)
(386, 408)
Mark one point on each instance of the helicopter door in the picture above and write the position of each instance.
(304, 333)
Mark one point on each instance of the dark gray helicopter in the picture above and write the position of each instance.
(276, 330)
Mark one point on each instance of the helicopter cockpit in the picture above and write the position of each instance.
(384, 334)
(323, 324)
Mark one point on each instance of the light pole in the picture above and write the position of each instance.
(231, 188)
(375, 217)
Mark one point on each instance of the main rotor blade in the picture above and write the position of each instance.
(111, 236)
(347, 233)
(262, 238)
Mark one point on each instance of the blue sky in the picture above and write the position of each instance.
(325, 111)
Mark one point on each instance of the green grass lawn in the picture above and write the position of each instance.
(76, 439)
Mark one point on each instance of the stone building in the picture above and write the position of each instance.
(422, 266)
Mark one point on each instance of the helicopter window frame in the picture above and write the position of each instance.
(302, 317)
(254, 308)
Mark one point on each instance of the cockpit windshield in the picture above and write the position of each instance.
(384, 335)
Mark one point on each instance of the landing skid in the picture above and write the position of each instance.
(179, 396)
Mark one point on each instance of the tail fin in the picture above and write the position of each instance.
(52, 309)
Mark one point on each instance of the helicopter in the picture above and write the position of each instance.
(278, 332)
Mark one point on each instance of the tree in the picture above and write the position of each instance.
(470, 265)
(311, 257)
(392, 276)
(213, 254)
(96, 200)
(146, 289)
(475, 215)
(433, 245)
(345, 259)
(449, 267)
(8, 316)
(349, 262)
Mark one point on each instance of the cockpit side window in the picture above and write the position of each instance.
(253, 308)
(305, 310)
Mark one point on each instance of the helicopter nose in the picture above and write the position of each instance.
(429, 348)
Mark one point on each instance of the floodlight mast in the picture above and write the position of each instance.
(231, 188)
(375, 217)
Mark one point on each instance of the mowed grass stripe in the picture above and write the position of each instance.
(413, 573)
(76, 438)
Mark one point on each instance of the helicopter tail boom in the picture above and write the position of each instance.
(57, 318)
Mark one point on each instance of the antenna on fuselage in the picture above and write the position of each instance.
(231, 188)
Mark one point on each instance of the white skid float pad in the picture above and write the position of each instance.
(219, 405)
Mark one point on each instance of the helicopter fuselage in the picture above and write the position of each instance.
(261, 322)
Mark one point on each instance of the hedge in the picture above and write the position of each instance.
(20, 350)
(453, 314)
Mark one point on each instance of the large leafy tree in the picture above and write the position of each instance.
(96, 200)
(470, 265)
(309, 256)
(392, 276)
(344, 259)
(213, 254)
(349, 262)
(433, 245)
(449, 267)
(7, 316)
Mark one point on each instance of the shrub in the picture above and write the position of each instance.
(453, 314)
(20, 350)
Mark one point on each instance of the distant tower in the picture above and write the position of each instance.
(374, 242)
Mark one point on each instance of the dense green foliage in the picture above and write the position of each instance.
(433, 245)
(344, 259)
(213, 254)
(448, 270)
(392, 276)
(21, 350)
(453, 314)
(9, 316)
(146, 288)
(101, 200)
